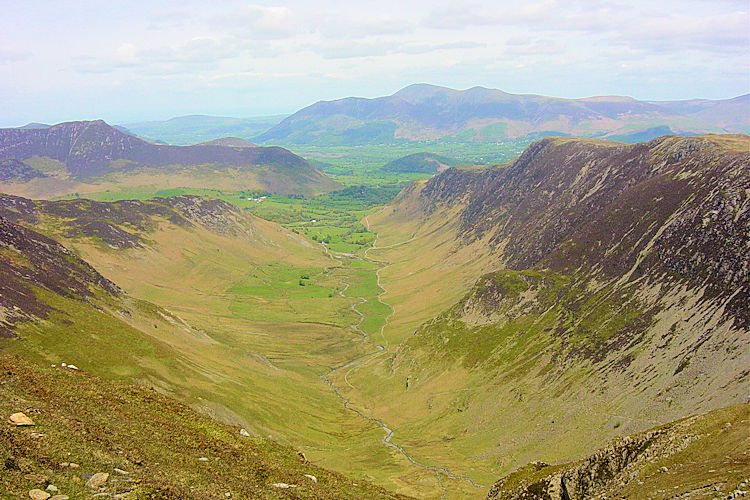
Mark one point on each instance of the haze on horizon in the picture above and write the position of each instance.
(135, 61)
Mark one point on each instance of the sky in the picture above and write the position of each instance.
(129, 61)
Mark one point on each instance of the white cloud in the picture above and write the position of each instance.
(334, 48)
(8, 55)
(257, 22)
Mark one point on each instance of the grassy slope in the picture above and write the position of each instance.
(702, 456)
(276, 179)
(102, 425)
(256, 342)
(333, 217)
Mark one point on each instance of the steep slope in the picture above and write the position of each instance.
(101, 425)
(95, 153)
(612, 295)
(423, 163)
(163, 449)
(426, 112)
(30, 260)
(698, 457)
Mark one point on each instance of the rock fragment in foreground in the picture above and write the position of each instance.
(20, 419)
(97, 480)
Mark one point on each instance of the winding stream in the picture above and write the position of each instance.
(388, 431)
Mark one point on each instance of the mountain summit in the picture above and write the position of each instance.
(93, 151)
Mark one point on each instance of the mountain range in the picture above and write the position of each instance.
(74, 156)
(424, 112)
(572, 323)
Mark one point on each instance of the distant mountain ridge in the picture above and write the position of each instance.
(193, 129)
(426, 112)
(80, 151)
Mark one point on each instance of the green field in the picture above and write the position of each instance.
(361, 165)
(333, 218)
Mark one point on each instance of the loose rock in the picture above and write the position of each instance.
(20, 419)
(38, 495)
(121, 472)
(243, 432)
(203, 459)
(52, 488)
(312, 478)
(97, 480)
(284, 486)
(60, 497)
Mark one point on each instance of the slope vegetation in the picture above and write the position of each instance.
(230, 314)
(82, 154)
(697, 457)
(586, 290)
(150, 445)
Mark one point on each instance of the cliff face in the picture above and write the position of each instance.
(675, 209)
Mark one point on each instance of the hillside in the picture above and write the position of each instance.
(423, 163)
(429, 113)
(85, 156)
(586, 290)
(148, 444)
(15, 171)
(697, 457)
(55, 307)
(230, 314)
(232, 142)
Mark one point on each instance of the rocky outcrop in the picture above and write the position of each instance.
(664, 457)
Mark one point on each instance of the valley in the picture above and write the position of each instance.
(424, 250)
(414, 336)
